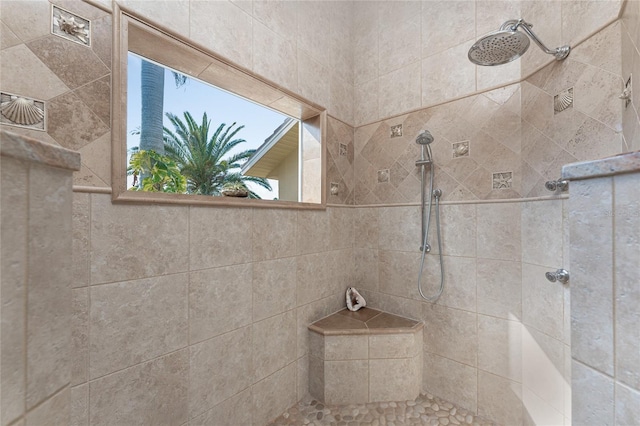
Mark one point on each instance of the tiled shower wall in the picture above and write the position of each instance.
(497, 341)
(412, 54)
(631, 68)
(516, 139)
(201, 313)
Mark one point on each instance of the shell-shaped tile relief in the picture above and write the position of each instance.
(563, 100)
(21, 111)
(70, 26)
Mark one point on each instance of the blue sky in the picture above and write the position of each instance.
(197, 97)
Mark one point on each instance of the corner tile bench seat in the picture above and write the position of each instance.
(365, 356)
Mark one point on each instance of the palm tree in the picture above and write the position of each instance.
(205, 160)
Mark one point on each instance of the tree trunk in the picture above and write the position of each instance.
(152, 91)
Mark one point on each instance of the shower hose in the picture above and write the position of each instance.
(425, 235)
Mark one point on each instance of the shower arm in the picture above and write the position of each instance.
(560, 52)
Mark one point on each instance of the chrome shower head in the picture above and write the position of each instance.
(424, 138)
(508, 44)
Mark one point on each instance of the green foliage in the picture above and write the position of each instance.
(161, 174)
(205, 160)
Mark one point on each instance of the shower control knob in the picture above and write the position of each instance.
(560, 275)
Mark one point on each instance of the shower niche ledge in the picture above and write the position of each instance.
(365, 356)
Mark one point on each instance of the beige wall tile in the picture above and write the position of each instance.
(338, 348)
(439, 70)
(14, 261)
(219, 301)
(538, 412)
(213, 369)
(274, 344)
(451, 380)
(499, 231)
(627, 277)
(274, 287)
(581, 18)
(459, 278)
(314, 19)
(399, 91)
(458, 229)
(79, 403)
(80, 253)
(543, 366)
(592, 396)
(543, 301)
(341, 232)
(460, 17)
(499, 399)
(274, 56)
(136, 321)
(398, 273)
(399, 228)
(394, 345)
(399, 43)
(312, 231)
(171, 14)
(8, 38)
(490, 14)
(49, 290)
(27, 19)
(54, 411)
(488, 77)
(43, 85)
(151, 393)
(79, 335)
(451, 333)
(366, 97)
(309, 313)
(268, 404)
(72, 124)
(302, 377)
(230, 37)
(316, 378)
(542, 224)
(96, 157)
(61, 56)
(311, 83)
(119, 236)
(212, 246)
(366, 269)
(394, 379)
(627, 405)
(499, 284)
(341, 98)
(313, 277)
(232, 412)
(591, 273)
(274, 235)
(346, 381)
(279, 16)
(500, 347)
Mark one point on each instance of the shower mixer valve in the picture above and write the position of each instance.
(554, 185)
(560, 275)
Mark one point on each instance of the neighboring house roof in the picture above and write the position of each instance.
(282, 142)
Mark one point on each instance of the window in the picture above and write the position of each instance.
(191, 128)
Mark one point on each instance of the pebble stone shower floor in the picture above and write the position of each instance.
(425, 410)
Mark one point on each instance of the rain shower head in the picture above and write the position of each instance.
(508, 44)
(424, 138)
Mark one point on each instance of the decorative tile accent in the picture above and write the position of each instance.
(461, 149)
(383, 175)
(563, 100)
(626, 94)
(335, 188)
(16, 110)
(502, 180)
(70, 26)
(342, 150)
(396, 131)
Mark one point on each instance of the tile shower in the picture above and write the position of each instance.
(498, 341)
